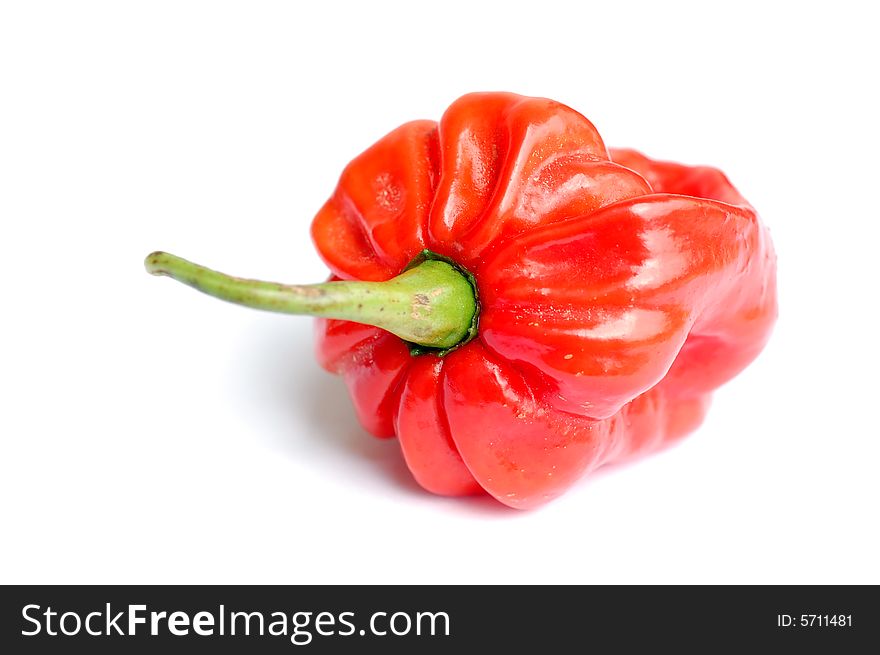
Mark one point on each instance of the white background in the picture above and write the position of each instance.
(151, 434)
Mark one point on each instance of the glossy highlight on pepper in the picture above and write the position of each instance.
(615, 294)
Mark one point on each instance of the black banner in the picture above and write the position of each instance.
(334, 619)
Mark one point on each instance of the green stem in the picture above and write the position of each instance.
(432, 304)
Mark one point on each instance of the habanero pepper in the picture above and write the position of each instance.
(520, 305)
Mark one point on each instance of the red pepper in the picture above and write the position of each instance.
(613, 294)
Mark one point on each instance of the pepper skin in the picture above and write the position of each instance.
(616, 293)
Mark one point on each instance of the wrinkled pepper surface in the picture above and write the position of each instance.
(612, 294)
